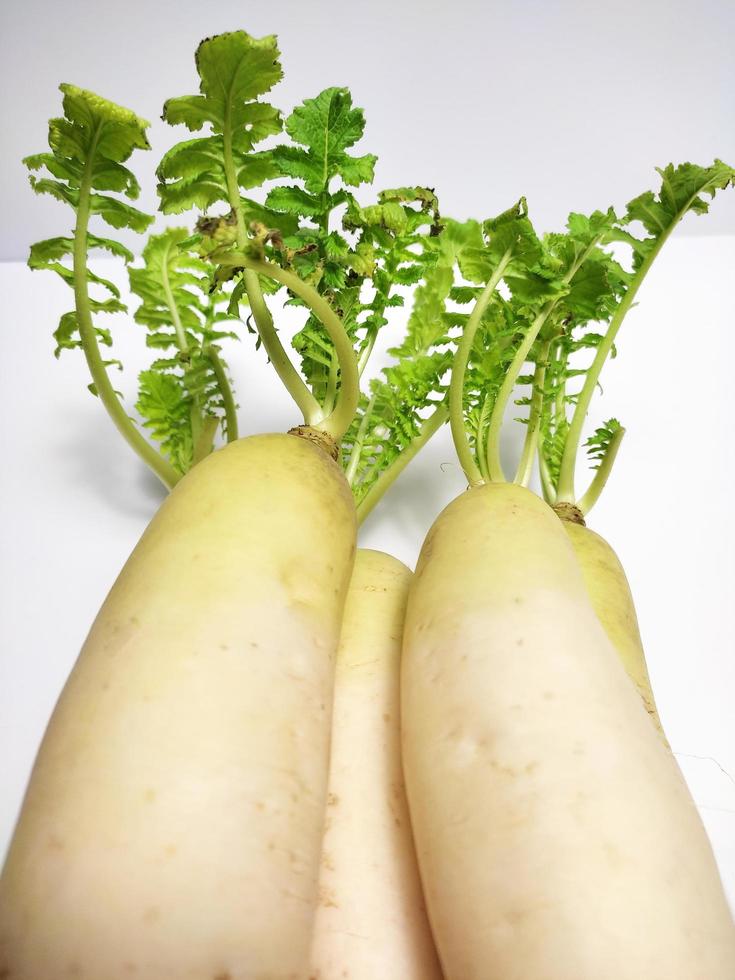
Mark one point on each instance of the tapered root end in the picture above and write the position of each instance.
(321, 439)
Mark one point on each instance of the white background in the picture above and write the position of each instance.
(570, 103)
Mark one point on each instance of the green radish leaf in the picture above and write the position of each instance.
(599, 442)
(414, 387)
(323, 129)
(503, 250)
(97, 131)
(601, 293)
(46, 255)
(89, 147)
(67, 337)
(295, 200)
(235, 70)
(428, 324)
(682, 190)
(118, 214)
(183, 316)
(165, 407)
(554, 441)
(530, 279)
(396, 247)
(390, 419)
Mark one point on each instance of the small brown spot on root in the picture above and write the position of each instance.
(503, 770)
(151, 915)
(332, 799)
(326, 898)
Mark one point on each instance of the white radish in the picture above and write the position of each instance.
(371, 920)
(555, 835)
(173, 823)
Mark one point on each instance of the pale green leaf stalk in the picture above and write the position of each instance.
(337, 422)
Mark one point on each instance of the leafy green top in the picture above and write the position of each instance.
(407, 404)
(353, 264)
(321, 130)
(235, 70)
(570, 284)
(523, 302)
(681, 191)
(89, 147)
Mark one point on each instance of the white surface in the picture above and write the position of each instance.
(75, 500)
(569, 102)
